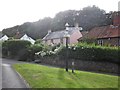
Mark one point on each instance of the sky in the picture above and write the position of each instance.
(17, 12)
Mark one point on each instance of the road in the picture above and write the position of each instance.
(10, 78)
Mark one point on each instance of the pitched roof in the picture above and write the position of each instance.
(59, 34)
(26, 37)
(5, 37)
(84, 32)
(103, 32)
(110, 31)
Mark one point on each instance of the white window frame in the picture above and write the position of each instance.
(100, 42)
(118, 41)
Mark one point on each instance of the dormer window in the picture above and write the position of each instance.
(119, 42)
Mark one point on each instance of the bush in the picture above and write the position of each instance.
(92, 52)
(15, 48)
(36, 48)
(38, 41)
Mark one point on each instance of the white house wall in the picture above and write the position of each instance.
(4, 38)
(25, 37)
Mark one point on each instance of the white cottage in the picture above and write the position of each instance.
(26, 37)
(3, 38)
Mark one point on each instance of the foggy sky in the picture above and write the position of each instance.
(15, 12)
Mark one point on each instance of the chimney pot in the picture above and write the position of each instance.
(116, 18)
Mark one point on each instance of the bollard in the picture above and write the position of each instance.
(73, 67)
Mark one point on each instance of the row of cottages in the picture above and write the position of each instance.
(59, 37)
(21, 37)
(105, 35)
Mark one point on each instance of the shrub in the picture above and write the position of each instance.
(47, 48)
(38, 41)
(36, 48)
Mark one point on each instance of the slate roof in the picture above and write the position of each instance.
(109, 31)
(60, 34)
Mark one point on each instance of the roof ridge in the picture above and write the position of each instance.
(58, 34)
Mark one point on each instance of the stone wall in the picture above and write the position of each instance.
(102, 67)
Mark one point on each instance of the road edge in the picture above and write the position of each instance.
(25, 82)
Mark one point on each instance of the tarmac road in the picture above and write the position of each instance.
(10, 78)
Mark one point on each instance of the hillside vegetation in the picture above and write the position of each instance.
(87, 18)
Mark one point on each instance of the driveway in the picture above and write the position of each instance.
(10, 78)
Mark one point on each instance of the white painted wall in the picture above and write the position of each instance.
(4, 38)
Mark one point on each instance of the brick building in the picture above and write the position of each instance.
(106, 35)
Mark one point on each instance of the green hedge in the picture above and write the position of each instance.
(36, 48)
(91, 52)
(21, 49)
(15, 48)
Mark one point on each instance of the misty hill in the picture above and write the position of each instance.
(87, 18)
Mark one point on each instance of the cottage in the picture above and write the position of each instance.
(26, 37)
(3, 38)
(59, 37)
(106, 35)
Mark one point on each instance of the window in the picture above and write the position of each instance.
(52, 41)
(109, 38)
(100, 42)
(119, 42)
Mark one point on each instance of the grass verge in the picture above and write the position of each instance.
(39, 76)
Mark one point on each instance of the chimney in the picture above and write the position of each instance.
(49, 31)
(116, 18)
(76, 25)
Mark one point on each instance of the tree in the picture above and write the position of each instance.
(91, 17)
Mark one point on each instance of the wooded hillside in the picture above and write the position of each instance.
(87, 18)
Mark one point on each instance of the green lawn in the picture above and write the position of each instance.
(39, 76)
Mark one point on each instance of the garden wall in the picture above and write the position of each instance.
(95, 66)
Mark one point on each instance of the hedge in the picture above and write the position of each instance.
(91, 52)
(15, 48)
(36, 48)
